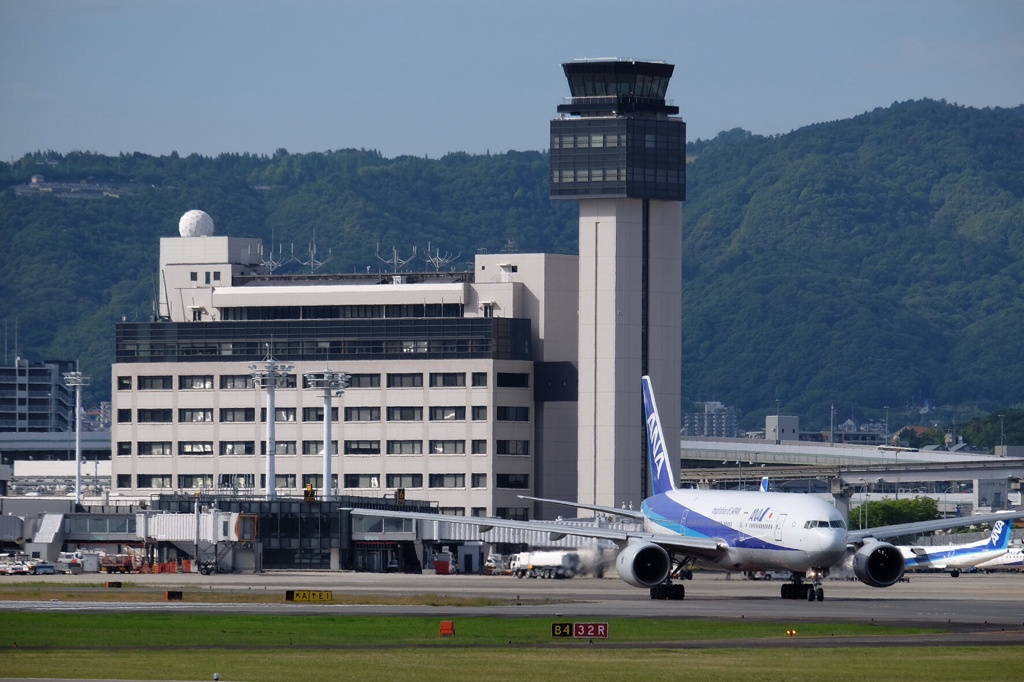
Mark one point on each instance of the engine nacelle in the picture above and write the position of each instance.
(643, 564)
(878, 564)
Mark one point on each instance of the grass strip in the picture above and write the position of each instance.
(184, 630)
(451, 664)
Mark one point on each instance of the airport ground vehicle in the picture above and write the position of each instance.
(43, 568)
(546, 564)
(496, 564)
(768, 575)
(116, 563)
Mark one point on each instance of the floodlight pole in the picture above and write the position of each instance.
(333, 384)
(268, 375)
(76, 381)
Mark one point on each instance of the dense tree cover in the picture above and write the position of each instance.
(891, 512)
(1006, 427)
(865, 263)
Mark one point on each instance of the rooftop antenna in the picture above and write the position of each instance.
(271, 263)
(437, 260)
(395, 262)
(510, 246)
(313, 263)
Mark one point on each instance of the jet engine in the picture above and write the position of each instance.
(878, 564)
(643, 564)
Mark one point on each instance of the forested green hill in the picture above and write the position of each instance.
(868, 262)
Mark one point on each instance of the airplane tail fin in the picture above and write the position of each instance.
(662, 478)
(764, 484)
(1000, 537)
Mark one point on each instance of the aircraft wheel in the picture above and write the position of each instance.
(676, 592)
(820, 594)
(785, 590)
(810, 593)
(955, 573)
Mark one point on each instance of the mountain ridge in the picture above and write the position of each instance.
(863, 263)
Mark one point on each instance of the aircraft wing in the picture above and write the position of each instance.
(916, 527)
(694, 546)
(628, 513)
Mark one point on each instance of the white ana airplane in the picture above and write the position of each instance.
(1013, 560)
(954, 558)
(727, 530)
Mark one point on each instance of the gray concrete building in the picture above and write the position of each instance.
(462, 387)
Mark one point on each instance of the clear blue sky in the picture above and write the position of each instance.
(430, 77)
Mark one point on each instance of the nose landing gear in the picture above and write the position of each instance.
(798, 589)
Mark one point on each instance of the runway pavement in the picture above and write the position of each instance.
(971, 602)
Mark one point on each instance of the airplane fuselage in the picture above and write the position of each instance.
(1012, 559)
(763, 530)
(952, 558)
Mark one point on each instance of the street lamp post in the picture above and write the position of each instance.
(76, 381)
(832, 424)
(268, 375)
(333, 384)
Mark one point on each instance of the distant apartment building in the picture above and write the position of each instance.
(462, 385)
(716, 421)
(34, 398)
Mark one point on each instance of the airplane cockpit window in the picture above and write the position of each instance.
(838, 523)
(824, 524)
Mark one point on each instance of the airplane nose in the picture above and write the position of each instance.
(833, 541)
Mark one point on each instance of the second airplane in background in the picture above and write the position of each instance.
(955, 558)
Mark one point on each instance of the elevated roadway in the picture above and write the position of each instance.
(714, 460)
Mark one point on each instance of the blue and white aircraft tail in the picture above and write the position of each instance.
(730, 530)
(954, 558)
(662, 479)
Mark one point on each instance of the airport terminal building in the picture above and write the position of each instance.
(461, 385)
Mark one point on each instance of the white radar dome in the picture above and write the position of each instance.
(196, 224)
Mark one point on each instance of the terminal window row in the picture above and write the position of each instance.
(398, 413)
(342, 312)
(224, 481)
(350, 481)
(205, 382)
(316, 447)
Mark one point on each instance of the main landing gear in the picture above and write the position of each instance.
(673, 591)
(667, 590)
(798, 589)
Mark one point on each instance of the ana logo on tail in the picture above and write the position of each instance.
(997, 530)
(661, 472)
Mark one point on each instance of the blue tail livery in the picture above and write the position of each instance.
(662, 479)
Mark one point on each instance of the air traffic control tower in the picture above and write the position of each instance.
(619, 149)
